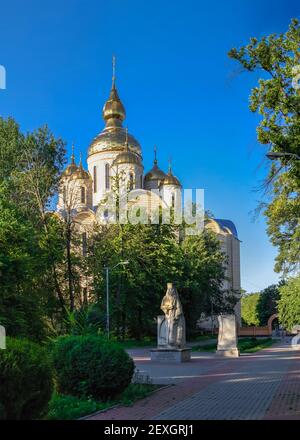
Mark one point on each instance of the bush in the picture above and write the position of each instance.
(26, 379)
(91, 366)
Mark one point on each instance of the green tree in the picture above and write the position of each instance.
(277, 100)
(289, 303)
(21, 299)
(249, 309)
(203, 277)
(30, 166)
(267, 303)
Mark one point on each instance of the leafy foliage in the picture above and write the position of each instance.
(277, 100)
(250, 314)
(91, 366)
(267, 303)
(26, 379)
(29, 239)
(289, 303)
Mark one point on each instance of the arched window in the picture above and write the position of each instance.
(173, 200)
(82, 194)
(130, 181)
(64, 194)
(107, 176)
(95, 178)
(84, 243)
(141, 181)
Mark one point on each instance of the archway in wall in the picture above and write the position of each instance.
(272, 321)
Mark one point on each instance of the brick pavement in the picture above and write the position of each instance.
(261, 385)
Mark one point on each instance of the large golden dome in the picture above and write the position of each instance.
(113, 136)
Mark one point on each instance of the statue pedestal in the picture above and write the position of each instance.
(233, 352)
(170, 355)
(227, 338)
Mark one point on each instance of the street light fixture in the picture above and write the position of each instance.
(107, 269)
(273, 155)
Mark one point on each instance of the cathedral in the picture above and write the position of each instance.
(116, 153)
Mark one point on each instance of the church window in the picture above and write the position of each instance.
(84, 243)
(82, 194)
(64, 194)
(173, 200)
(141, 181)
(107, 176)
(95, 178)
(130, 181)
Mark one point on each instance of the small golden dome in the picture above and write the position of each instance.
(80, 173)
(155, 174)
(127, 157)
(71, 169)
(171, 179)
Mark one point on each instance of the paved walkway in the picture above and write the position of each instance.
(263, 385)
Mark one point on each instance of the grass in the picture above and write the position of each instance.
(245, 345)
(63, 407)
(133, 343)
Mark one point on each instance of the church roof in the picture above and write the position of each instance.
(155, 173)
(171, 179)
(113, 136)
(229, 225)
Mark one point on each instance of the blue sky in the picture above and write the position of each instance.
(180, 90)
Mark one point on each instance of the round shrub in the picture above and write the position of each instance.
(91, 366)
(25, 378)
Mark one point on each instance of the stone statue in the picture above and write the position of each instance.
(171, 332)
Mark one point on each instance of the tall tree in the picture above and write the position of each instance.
(249, 309)
(289, 303)
(30, 167)
(267, 304)
(277, 100)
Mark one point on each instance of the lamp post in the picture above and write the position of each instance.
(273, 155)
(107, 269)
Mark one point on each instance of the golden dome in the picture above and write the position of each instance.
(155, 174)
(113, 136)
(80, 173)
(113, 108)
(113, 139)
(127, 157)
(76, 172)
(72, 167)
(171, 179)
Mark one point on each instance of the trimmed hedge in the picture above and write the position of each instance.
(26, 379)
(91, 366)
